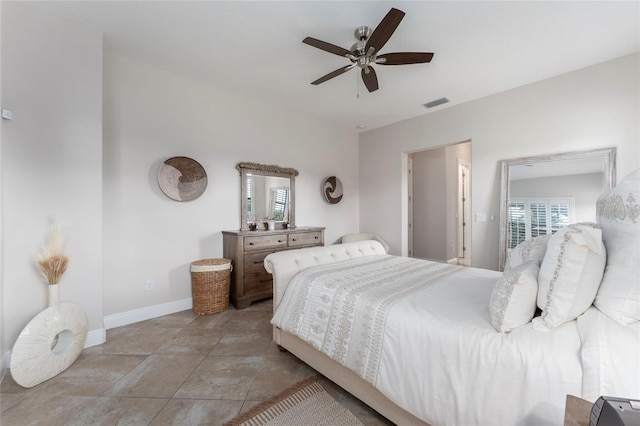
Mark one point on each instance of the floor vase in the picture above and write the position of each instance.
(50, 343)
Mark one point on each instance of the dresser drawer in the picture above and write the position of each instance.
(258, 283)
(305, 238)
(265, 242)
(254, 262)
(247, 249)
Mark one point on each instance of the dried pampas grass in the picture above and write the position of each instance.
(52, 261)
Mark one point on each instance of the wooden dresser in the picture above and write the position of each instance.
(247, 250)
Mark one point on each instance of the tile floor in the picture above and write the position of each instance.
(179, 369)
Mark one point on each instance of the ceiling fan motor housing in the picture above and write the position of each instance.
(359, 48)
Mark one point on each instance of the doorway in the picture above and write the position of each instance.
(439, 203)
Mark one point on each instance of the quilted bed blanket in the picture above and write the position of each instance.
(419, 331)
(324, 302)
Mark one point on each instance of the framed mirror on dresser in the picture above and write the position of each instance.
(267, 225)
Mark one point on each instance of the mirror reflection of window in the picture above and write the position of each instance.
(279, 197)
(250, 190)
(534, 217)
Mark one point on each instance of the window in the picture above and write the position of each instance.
(533, 217)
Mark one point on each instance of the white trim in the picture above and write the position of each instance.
(96, 337)
(406, 210)
(149, 312)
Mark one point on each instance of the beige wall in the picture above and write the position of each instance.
(430, 204)
(590, 108)
(51, 157)
(151, 115)
(122, 230)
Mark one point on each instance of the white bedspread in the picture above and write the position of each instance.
(439, 357)
(610, 356)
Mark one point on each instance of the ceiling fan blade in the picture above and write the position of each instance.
(370, 79)
(404, 58)
(385, 29)
(333, 74)
(327, 47)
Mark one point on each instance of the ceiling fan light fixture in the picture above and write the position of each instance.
(362, 33)
(365, 52)
(436, 102)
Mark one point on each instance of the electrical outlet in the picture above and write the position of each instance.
(148, 285)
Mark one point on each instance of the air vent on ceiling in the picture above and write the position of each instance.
(436, 102)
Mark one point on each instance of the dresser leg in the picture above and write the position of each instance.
(242, 304)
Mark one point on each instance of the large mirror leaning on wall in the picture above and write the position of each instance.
(541, 194)
(267, 194)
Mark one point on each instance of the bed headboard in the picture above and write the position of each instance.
(284, 265)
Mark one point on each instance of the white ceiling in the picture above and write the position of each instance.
(255, 47)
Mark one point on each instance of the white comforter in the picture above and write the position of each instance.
(439, 357)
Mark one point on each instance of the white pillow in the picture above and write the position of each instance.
(618, 212)
(531, 249)
(570, 274)
(513, 299)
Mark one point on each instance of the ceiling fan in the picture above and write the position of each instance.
(364, 52)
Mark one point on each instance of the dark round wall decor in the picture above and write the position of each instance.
(332, 190)
(182, 178)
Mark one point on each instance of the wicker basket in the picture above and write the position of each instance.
(210, 280)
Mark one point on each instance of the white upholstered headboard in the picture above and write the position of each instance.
(284, 265)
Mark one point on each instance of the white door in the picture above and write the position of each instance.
(410, 191)
(464, 210)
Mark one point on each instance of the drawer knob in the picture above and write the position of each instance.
(250, 244)
(315, 238)
(279, 241)
(293, 239)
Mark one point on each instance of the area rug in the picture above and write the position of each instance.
(305, 403)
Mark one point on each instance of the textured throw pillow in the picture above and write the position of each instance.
(532, 249)
(570, 274)
(618, 212)
(513, 299)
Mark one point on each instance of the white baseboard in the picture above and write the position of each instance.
(97, 337)
(149, 312)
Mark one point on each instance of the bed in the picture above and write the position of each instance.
(431, 343)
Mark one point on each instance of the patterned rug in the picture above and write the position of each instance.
(305, 403)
